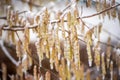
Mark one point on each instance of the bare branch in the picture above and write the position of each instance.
(112, 7)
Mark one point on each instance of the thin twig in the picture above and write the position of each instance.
(5, 18)
(112, 7)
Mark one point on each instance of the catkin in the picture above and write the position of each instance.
(4, 71)
(18, 49)
(108, 52)
(47, 75)
(103, 66)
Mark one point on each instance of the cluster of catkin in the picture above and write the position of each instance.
(60, 43)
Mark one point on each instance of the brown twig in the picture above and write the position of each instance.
(112, 7)
(5, 18)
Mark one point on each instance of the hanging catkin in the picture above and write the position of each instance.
(4, 71)
(38, 45)
(18, 49)
(103, 66)
(47, 75)
(108, 52)
(88, 39)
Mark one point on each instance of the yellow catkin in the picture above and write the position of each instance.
(18, 49)
(47, 75)
(26, 39)
(52, 55)
(63, 29)
(4, 71)
(88, 3)
(38, 45)
(97, 57)
(35, 72)
(30, 4)
(76, 48)
(113, 11)
(88, 77)
(108, 51)
(13, 37)
(58, 18)
(111, 70)
(69, 19)
(103, 66)
(76, 15)
(103, 8)
(20, 71)
(88, 39)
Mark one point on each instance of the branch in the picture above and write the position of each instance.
(17, 28)
(112, 7)
(5, 18)
(8, 54)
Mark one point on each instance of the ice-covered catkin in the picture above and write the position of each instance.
(26, 39)
(113, 11)
(98, 5)
(76, 48)
(18, 49)
(35, 72)
(88, 39)
(37, 19)
(97, 57)
(108, 51)
(103, 66)
(62, 69)
(111, 69)
(20, 71)
(69, 19)
(13, 37)
(76, 15)
(88, 3)
(52, 55)
(38, 45)
(58, 18)
(99, 29)
(88, 77)
(103, 8)
(63, 27)
(30, 4)
(68, 54)
(47, 75)
(4, 71)
(9, 14)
